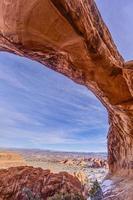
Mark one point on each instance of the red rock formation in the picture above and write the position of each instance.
(93, 162)
(16, 183)
(99, 163)
(71, 38)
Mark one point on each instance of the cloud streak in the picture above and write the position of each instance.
(42, 109)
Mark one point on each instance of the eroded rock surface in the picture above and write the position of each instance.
(71, 38)
(20, 183)
(90, 162)
(116, 188)
(11, 159)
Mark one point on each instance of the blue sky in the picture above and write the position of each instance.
(40, 108)
(118, 16)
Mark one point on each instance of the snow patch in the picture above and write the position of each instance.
(107, 185)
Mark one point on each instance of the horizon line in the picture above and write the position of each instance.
(52, 150)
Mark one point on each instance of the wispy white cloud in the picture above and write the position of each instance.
(36, 112)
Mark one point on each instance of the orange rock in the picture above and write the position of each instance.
(16, 183)
(71, 38)
(11, 159)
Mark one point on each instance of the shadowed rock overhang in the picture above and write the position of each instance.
(71, 38)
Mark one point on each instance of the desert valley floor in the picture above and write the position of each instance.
(88, 166)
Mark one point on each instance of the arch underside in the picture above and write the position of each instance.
(71, 38)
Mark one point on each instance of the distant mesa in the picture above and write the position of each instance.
(90, 162)
(11, 159)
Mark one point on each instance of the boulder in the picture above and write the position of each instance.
(21, 183)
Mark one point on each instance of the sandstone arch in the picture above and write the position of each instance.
(71, 38)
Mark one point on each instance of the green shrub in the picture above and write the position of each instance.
(95, 188)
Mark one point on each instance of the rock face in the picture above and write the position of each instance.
(70, 37)
(82, 177)
(117, 188)
(24, 183)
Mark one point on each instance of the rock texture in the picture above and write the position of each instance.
(71, 38)
(90, 162)
(24, 183)
(11, 159)
(116, 188)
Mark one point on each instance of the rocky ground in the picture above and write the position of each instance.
(28, 183)
(117, 188)
(80, 166)
(91, 167)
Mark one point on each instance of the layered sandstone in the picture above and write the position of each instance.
(91, 162)
(11, 159)
(23, 183)
(70, 37)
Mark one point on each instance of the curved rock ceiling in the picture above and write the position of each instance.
(71, 38)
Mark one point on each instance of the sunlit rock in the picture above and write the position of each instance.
(71, 38)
